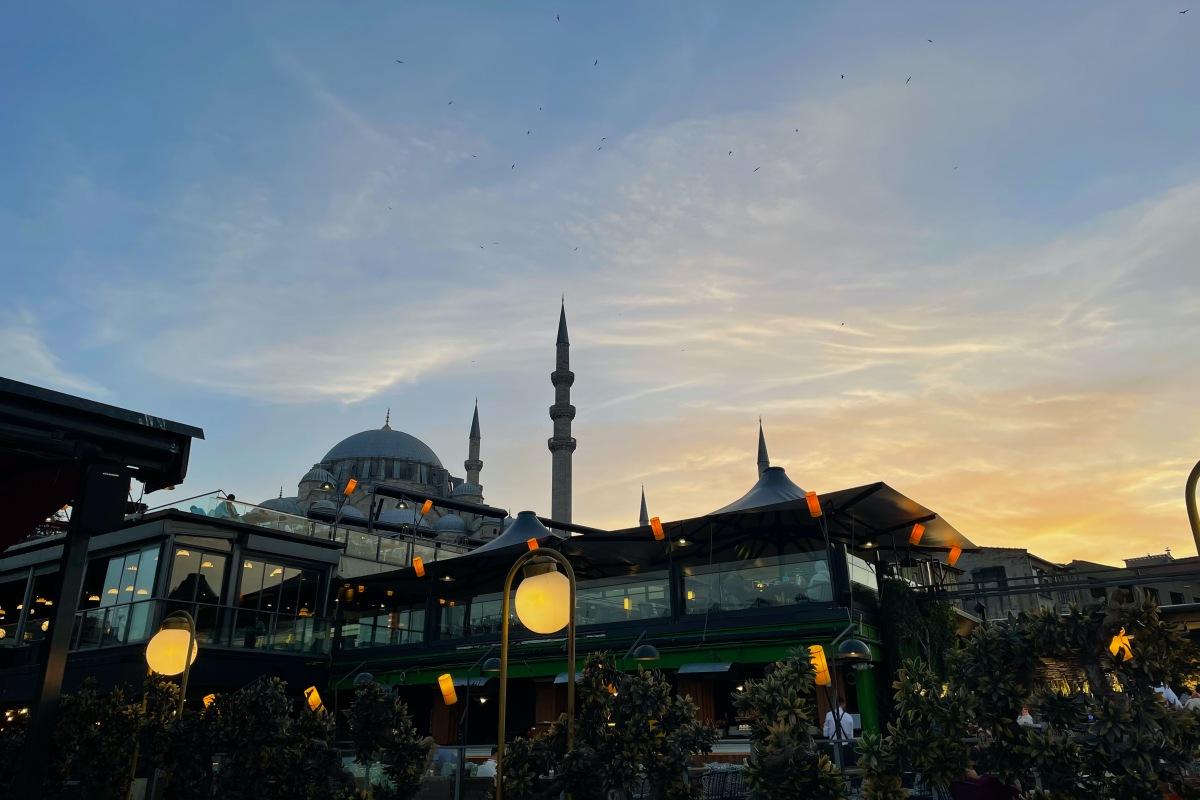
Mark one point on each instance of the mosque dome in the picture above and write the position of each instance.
(383, 443)
(398, 516)
(326, 506)
(319, 475)
(349, 512)
(451, 523)
(467, 490)
(285, 505)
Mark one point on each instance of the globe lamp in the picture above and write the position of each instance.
(543, 598)
(165, 651)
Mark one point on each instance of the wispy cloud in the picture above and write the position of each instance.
(25, 356)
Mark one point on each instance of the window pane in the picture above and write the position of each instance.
(143, 585)
(211, 583)
(185, 567)
(12, 594)
(128, 577)
(271, 593)
(112, 581)
(626, 598)
(758, 583)
(289, 591)
(251, 585)
(308, 586)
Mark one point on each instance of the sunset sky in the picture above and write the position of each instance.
(969, 268)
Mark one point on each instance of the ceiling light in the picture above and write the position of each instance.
(182, 554)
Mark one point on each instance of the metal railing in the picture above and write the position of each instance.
(216, 626)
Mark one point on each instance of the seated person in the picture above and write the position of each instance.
(488, 768)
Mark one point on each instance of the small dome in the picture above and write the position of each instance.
(467, 490)
(383, 443)
(320, 476)
(451, 523)
(398, 516)
(350, 512)
(286, 505)
(323, 505)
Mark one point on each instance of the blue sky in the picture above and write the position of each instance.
(979, 285)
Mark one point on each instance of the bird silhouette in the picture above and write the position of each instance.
(730, 152)
(450, 103)
(843, 76)
(474, 156)
(909, 79)
(1185, 11)
(399, 61)
(514, 166)
(601, 147)
(596, 62)
(557, 19)
(576, 250)
(756, 169)
(527, 133)
(929, 40)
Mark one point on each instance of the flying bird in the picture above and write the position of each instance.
(399, 61)
(1185, 11)
(931, 42)
(474, 156)
(596, 62)
(527, 133)
(576, 250)
(514, 166)
(556, 18)
(450, 103)
(909, 79)
(601, 147)
(730, 152)
(756, 169)
(602, 138)
(843, 76)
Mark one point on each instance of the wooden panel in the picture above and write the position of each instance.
(443, 722)
(546, 706)
(701, 691)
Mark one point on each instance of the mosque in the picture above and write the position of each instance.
(389, 457)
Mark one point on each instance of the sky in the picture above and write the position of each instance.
(950, 246)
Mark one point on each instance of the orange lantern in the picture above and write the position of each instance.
(816, 654)
(419, 566)
(351, 485)
(426, 506)
(955, 552)
(1122, 645)
(814, 504)
(314, 699)
(657, 528)
(446, 684)
(531, 543)
(918, 531)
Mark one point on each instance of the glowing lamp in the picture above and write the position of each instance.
(657, 528)
(426, 507)
(166, 651)
(1122, 645)
(314, 699)
(531, 543)
(955, 552)
(814, 504)
(627, 603)
(419, 566)
(446, 684)
(209, 699)
(918, 530)
(351, 485)
(543, 598)
(816, 654)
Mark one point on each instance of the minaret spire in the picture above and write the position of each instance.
(561, 444)
(644, 518)
(386, 419)
(473, 464)
(763, 461)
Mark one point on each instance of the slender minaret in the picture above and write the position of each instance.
(561, 444)
(644, 519)
(763, 461)
(473, 464)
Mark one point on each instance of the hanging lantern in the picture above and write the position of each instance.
(426, 507)
(816, 654)
(351, 485)
(531, 543)
(419, 566)
(955, 552)
(446, 684)
(208, 700)
(814, 504)
(314, 699)
(1122, 645)
(543, 598)
(918, 530)
(657, 528)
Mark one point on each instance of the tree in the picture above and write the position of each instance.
(13, 734)
(784, 761)
(93, 743)
(629, 728)
(383, 731)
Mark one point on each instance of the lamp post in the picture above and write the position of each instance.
(169, 652)
(1190, 498)
(545, 603)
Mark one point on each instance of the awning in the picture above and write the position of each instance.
(472, 682)
(705, 668)
(562, 677)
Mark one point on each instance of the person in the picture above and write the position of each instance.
(1169, 695)
(488, 768)
(831, 726)
(1025, 720)
(1193, 702)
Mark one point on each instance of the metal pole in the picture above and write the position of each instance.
(137, 741)
(1190, 498)
(187, 658)
(505, 604)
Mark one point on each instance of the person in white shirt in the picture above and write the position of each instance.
(1025, 720)
(1169, 695)
(831, 726)
(488, 768)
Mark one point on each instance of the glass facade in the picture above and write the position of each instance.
(622, 599)
(757, 583)
(12, 600)
(277, 605)
(399, 626)
(115, 603)
(862, 573)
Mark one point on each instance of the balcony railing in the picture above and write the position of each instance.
(216, 626)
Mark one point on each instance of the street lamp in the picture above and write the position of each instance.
(173, 649)
(545, 603)
(1190, 499)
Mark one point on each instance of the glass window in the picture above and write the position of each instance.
(452, 619)
(41, 607)
(398, 626)
(12, 596)
(757, 583)
(185, 566)
(625, 598)
(308, 587)
(862, 573)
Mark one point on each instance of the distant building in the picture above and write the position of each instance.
(1169, 580)
(994, 571)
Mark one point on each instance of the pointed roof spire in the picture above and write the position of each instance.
(281, 492)
(644, 519)
(386, 420)
(562, 323)
(475, 421)
(763, 460)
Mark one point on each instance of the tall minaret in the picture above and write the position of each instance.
(473, 464)
(763, 461)
(644, 518)
(561, 444)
